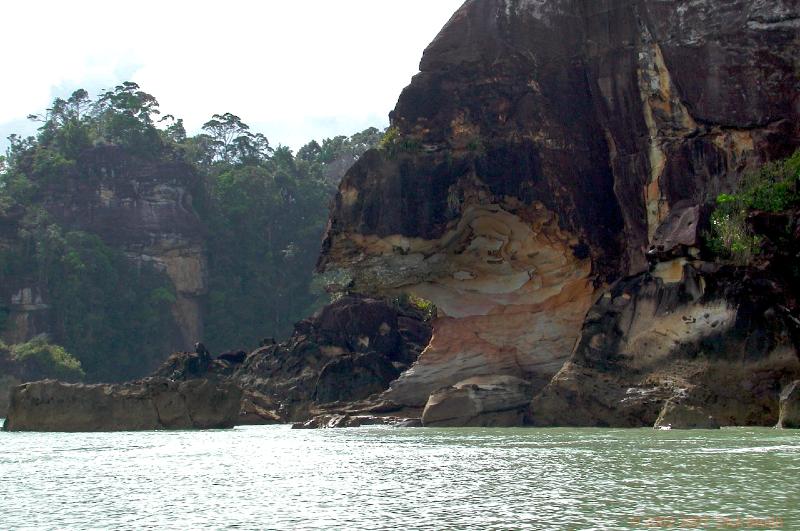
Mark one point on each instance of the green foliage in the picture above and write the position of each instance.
(731, 237)
(232, 141)
(265, 225)
(774, 188)
(393, 142)
(390, 139)
(39, 357)
(114, 316)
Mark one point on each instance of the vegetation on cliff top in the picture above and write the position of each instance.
(264, 210)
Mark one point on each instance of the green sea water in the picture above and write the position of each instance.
(397, 478)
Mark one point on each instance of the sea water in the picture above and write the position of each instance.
(272, 477)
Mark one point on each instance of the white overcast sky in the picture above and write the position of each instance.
(295, 70)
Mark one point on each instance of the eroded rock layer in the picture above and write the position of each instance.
(543, 149)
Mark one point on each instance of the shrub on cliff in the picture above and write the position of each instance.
(773, 188)
(38, 358)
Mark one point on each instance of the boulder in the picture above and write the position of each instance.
(348, 351)
(354, 377)
(481, 401)
(678, 233)
(679, 416)
(153, 404)
(790, 406)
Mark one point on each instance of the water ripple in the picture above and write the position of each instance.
(383, 478)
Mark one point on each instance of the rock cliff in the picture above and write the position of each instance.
(543, 184)
(137, 206)
(145, 209)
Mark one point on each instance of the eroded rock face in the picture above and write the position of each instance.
(153, 404)
(714, 338)
(145, 209)
(544, 148)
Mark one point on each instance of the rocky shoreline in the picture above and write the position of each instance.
(547, 186)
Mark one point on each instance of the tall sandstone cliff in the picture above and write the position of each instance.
(552, 162)
(140, 207)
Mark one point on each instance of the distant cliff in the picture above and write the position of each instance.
(123, 239)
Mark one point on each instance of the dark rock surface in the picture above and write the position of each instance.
(350, 351)
(718, 339)
(336, 364)
(152, 404)
(546, 188)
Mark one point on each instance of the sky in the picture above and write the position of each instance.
(294, 70)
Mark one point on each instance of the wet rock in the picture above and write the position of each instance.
(790, 406)
(482, 401)
(680, 416)
(352, 421)
(152, 404)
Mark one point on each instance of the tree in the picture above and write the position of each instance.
(127, 99)
(175, 129)
(310, 152)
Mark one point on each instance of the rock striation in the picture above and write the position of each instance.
(152, 404)
(547, 173)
